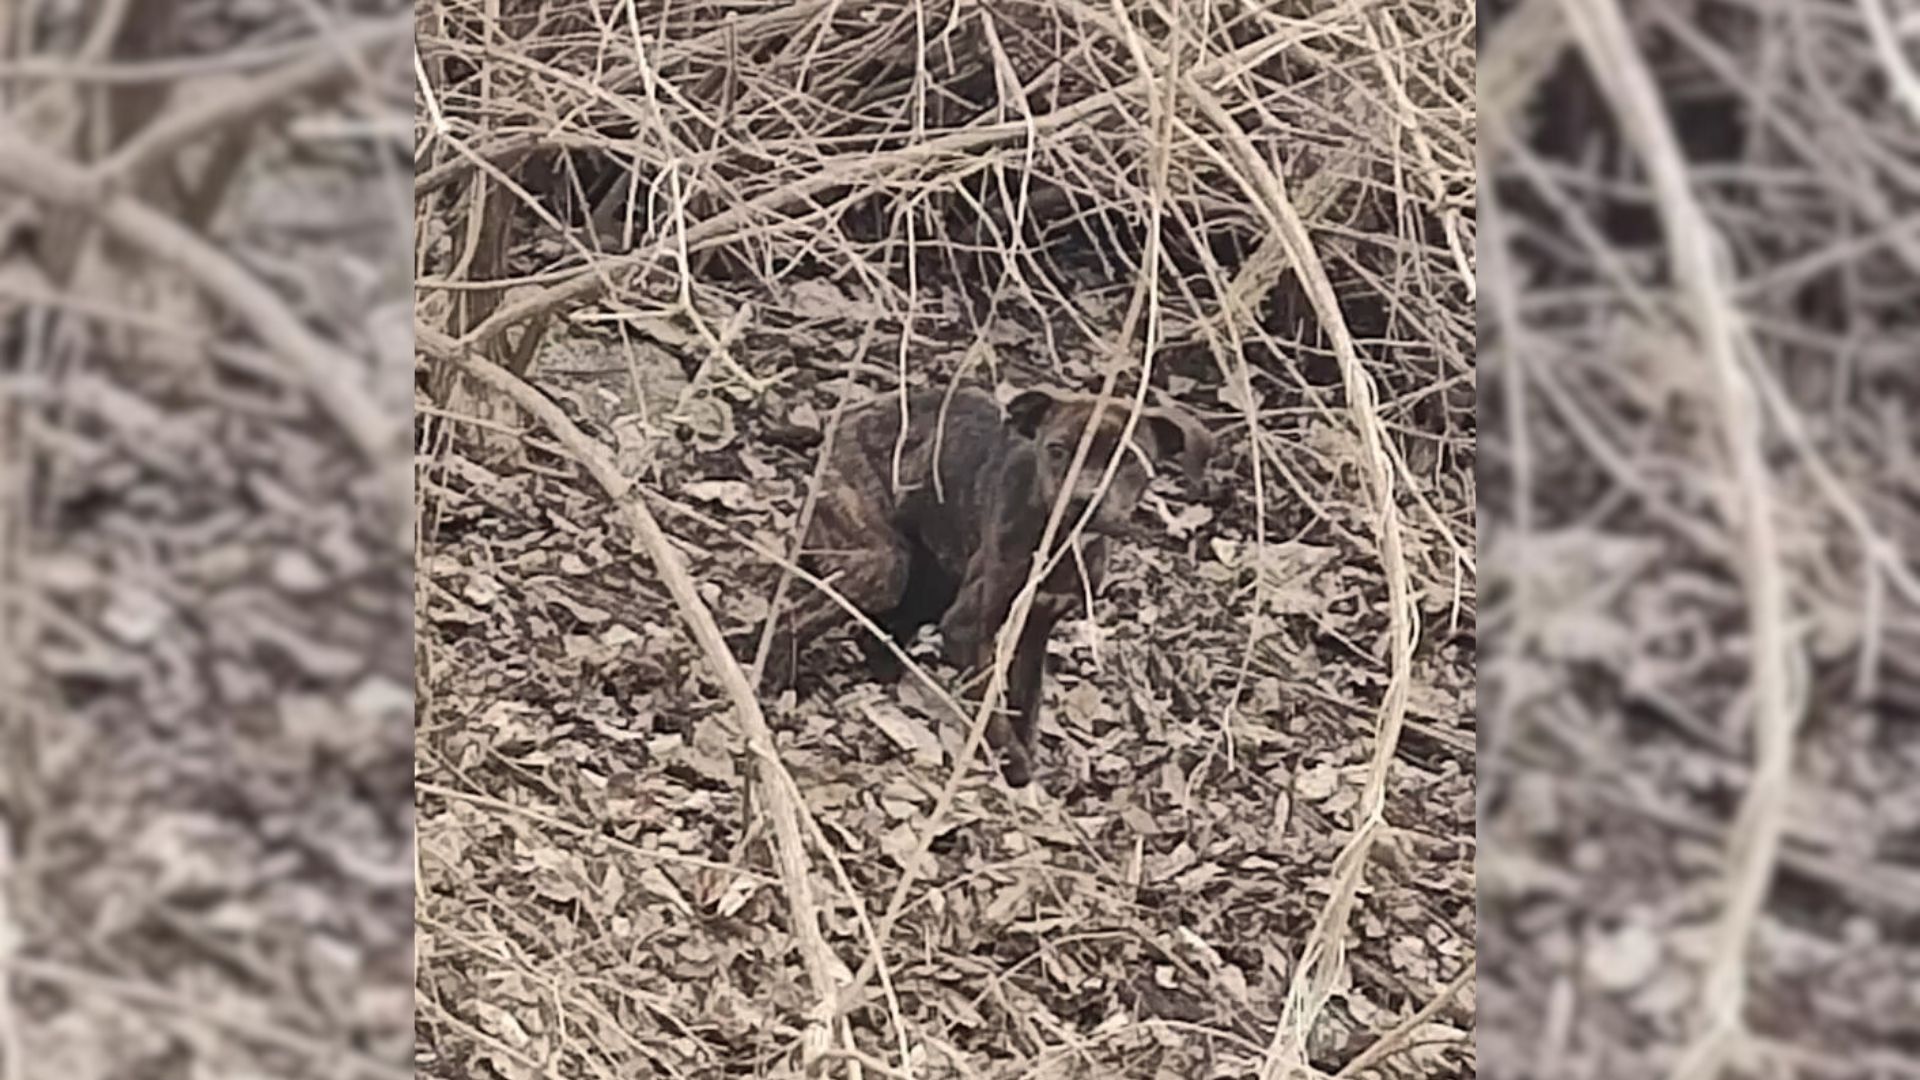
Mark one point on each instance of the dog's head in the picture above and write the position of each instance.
(1055, 421)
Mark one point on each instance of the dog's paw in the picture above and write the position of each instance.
(1016, 765)
(882, 663)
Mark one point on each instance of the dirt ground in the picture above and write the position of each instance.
(649, 282)
(594, 862)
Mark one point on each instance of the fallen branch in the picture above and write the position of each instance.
(1754, 854)
(784, 803)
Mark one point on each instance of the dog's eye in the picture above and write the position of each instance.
(1057, 450)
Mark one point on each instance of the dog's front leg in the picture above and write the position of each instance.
(1024, 684)
(968, 631)
(962, 634)
(978, 609)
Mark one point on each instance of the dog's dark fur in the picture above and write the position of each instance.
(956, 553)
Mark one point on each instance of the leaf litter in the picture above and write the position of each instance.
(597, 862)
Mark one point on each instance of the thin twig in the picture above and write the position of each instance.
(1754, 849)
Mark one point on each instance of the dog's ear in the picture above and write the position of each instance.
(1177, 434)
(1029, 409)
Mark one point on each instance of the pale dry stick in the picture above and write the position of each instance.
(1808, 1060)
(663, 134)
(1617, 64)
(1314, 979)
(1408, 116)
(1873, 634)
(431, 99)
(900, 369)
(313, 1049)
(1321, 961)
(649, 79)
(760, 652)
(785, 803)
(1886, 44)
(1017, 204)
(919, 88)
(14, 720)
(833, 171)
(683, 293)
(394, 128)
(1396, 1039)
(334, 377)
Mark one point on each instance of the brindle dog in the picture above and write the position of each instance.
(958, 551)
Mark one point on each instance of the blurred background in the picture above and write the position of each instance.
(1700, 366)
(205, 677)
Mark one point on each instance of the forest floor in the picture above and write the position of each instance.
(599, 885)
